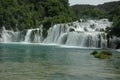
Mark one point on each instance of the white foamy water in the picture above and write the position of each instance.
(90, 33)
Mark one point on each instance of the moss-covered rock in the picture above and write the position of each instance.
(101, 54)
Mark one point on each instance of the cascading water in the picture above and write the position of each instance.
(9, 36)
(28, 34)
(88, 33)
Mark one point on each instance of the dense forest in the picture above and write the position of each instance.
(92, 11)
(23, 14)
(110, 10)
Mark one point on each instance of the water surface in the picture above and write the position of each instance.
(42, 62)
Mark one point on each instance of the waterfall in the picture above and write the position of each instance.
(55, 32)
(89, 33)
(28, 34)
(9, 35)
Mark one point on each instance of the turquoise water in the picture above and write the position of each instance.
(42, 62)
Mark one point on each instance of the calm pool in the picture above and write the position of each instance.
(42, 62)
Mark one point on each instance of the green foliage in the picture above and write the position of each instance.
(115, 30)
(115, 17)
(90, 11)
(45, 33)
(93, 13)
(25, 14)
(113, 14)
(57, 11)
(101, 54)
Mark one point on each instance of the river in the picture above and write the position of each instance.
(53, 62)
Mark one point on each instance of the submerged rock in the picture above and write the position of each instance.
(101, 54)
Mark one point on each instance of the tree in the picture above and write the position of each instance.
(25, 14)
(115, 17)
(94, 13)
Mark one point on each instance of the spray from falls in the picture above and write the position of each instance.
(90, 33)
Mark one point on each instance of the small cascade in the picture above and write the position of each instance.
(55, 32)
(89, 33)
(28, 34)
(38, 37)
(9, 35)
